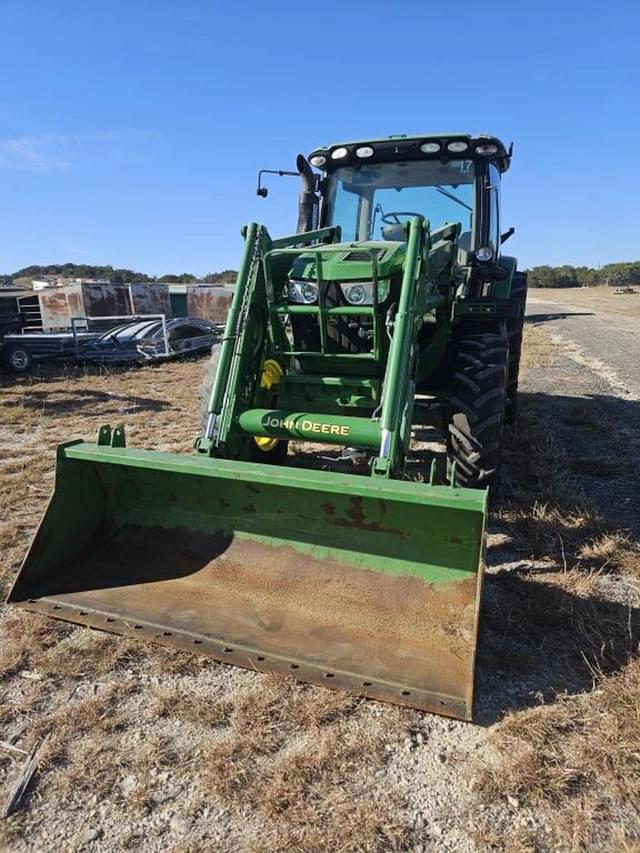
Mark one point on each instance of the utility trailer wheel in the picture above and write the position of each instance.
(477, 408)
(271, 454)
(16, 359)
(515, 326)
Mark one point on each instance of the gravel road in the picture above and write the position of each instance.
(605, 342)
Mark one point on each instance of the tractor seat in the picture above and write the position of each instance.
(395, 231)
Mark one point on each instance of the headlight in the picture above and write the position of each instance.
(302, 292)
(318, 160)
(430, 147)
(357, 294)
(364, 151)
(484, 254)
(339, 153)
(361, 292)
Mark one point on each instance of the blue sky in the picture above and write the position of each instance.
(131, 132)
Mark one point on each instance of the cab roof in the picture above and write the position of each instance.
(440, 146)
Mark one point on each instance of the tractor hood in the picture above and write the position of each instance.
(350, 261)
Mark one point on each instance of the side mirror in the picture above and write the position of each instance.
(509, 233)
(263, 192)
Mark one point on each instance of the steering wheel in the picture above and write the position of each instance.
(393, 216)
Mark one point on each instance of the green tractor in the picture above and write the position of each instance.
(390, 312)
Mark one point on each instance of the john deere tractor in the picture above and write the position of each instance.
(391, 310)
(384, 213)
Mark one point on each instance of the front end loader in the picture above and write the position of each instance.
(368, 327)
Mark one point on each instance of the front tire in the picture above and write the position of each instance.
(477, 408)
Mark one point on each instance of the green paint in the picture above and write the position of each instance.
(430, 532)
(307, 426)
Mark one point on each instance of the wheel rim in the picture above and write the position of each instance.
(272, 373)
(19, 359)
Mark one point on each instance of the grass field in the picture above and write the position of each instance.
(149, 748)
(602, 299)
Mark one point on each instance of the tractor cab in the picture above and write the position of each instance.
(372, 189)
(368, 194)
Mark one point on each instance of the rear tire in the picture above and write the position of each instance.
(276, 456)
(477, 408)
(515, 326)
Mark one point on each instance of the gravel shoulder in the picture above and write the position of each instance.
(601, 331)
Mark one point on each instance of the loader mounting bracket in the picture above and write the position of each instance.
(111, 438)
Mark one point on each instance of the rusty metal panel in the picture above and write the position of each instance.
(106, 300)
(54, 309)
(75, 301)
(209, 302)
(75, 304)
(151, 299)
(57, 305)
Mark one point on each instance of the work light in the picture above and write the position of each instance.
(318, 160)
(487, 148)
(457, 146)
(339, 153)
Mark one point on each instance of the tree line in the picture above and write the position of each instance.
(627, 272)
(116, 276)
(568, 276)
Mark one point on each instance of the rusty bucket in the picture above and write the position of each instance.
(351, 582)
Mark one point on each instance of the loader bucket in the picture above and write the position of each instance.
(347, 581)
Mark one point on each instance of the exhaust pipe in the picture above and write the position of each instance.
(308, 202)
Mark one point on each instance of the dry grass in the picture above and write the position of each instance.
(579, 762)
(303, 795)
(93, 715)
(16, 415)
(589, 299)
(613, 552)
(570, 768)
(77, 731)
(303, 760)
(593, 466)
(543, 504)
(57, 404)
(26, 636)
(557, 624)
(178, 704)
(538, 349)
(60, 651)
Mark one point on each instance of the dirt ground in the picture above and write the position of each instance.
(154, 749)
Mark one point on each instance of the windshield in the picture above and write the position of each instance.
(372, 202)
